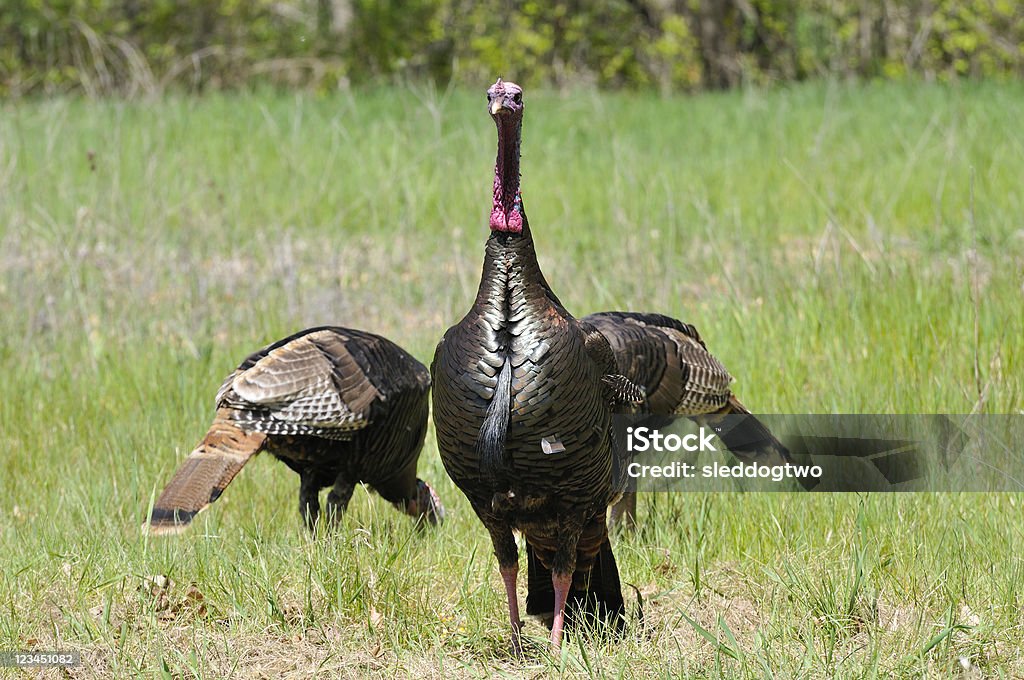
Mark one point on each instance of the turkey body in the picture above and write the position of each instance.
(668, 358)
(555, 459)
(522, 414)
(681, 377)
(552, 475)
(339, 406)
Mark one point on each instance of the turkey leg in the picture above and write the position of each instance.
(339, 497)
(623, 513)
(562, 567)
(309, 498)
(508, 566)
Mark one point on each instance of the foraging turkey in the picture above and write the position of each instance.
(523, 397)
(338, 406)
(682, 378)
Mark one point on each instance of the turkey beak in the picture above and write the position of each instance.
(498, 106)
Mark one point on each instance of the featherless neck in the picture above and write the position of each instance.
(507, 214)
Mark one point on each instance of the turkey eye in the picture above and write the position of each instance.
(518, 97)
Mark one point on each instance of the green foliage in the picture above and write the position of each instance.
(391, 36)
(129, 46)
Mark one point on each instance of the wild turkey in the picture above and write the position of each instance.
(338, 406)
(523, 397)
(682, 378)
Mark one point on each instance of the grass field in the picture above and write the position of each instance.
(823, 239)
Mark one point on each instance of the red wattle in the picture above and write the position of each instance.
(512, 223)
(515, 222)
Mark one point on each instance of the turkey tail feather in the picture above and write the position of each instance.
(540, 592)
(204, 475)
(602, 601)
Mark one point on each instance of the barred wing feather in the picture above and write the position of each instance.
(310, 385)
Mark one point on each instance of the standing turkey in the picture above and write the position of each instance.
(338, 406)
(523, 397)
(682, 378)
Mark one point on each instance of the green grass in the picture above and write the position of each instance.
(822, 238)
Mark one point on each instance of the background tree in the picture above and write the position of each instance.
(129, 47)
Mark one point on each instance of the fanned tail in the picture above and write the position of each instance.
(204, 475)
